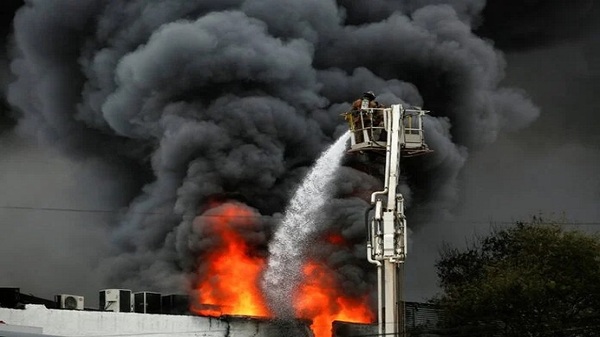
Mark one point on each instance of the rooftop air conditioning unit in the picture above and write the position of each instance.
(70, 302)
(147, 302)
(175, 304)
(116, 300)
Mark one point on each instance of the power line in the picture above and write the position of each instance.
(57, 209)
(108, 211)
(122, 211)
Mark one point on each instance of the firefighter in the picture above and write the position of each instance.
(374, 117)
(369, 102)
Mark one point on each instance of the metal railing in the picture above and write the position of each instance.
(369, 132)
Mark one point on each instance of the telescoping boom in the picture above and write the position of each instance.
(395, 132)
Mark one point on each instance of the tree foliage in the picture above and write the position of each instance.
(532, 279)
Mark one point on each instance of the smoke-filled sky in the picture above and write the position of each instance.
(122, 120)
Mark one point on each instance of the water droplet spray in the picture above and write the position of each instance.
(300, 221)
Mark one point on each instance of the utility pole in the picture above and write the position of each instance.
(387, 231)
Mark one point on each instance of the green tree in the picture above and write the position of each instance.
(532, 279)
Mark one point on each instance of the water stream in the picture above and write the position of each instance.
(300, 220)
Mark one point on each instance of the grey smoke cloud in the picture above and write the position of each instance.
(51, 244)
(547, 168)
(518, 25)
(359, 12)
(237, 100)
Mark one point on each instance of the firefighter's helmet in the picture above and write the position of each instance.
(369, 95)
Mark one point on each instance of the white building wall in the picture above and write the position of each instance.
(92, 323)
(4, 328)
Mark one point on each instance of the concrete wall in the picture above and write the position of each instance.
(92, 323)
(5, 328)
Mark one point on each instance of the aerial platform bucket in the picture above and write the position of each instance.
(369, 130)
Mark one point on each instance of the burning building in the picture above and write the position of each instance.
(196, 101)
(230, 284)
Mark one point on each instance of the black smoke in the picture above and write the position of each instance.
(519, 25)
(550, 168)
(199, 99)
(7, 11)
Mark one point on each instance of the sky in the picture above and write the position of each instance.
(549, 168)
(105, 159)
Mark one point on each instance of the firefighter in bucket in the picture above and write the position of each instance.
(364, 114)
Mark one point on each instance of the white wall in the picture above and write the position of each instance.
(91, 323)
(19, 328)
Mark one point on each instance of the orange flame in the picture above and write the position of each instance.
(230, 283)
(320, 299)
(335, 239)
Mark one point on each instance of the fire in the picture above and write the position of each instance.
(230, 283)
(335, 239)
(320, 299)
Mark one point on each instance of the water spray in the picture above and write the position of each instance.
(287, 249)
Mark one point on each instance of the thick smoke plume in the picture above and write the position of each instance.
(516, 25)
(216, 100)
